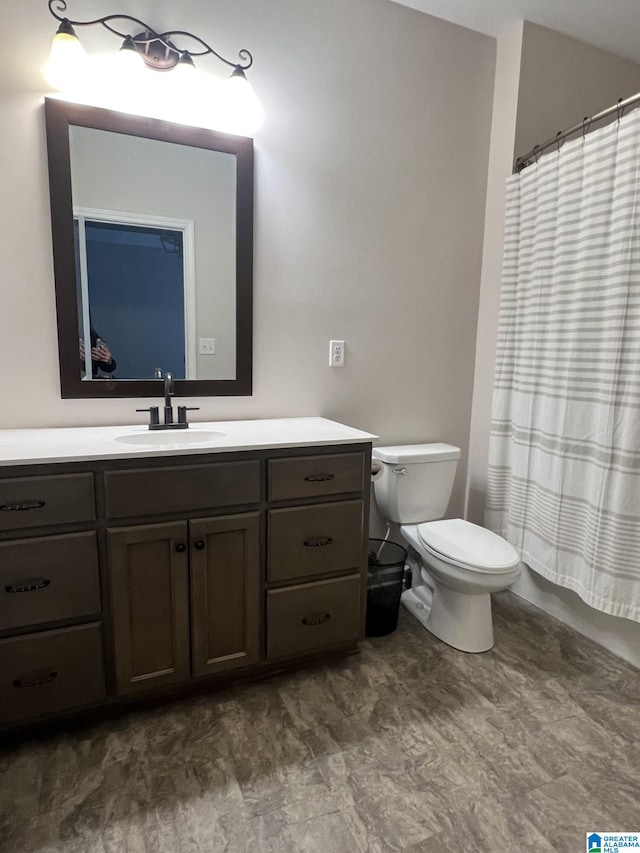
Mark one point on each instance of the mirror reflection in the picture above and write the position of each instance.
(154, 236)
(152, 227)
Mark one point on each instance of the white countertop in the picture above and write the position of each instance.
(77, 444)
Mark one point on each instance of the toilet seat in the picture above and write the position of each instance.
(468, 546)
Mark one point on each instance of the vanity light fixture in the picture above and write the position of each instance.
(156, 51)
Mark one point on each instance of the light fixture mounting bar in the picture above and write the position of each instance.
(156, 49)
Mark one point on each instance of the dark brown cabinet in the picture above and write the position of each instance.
(178, 489)
(316, 547)
(225, 593)
(50, 671)
(149, 585)
(313, 616)
(127, 578)
(38, 501)
(48, 578)
(316, 476)
(314, 540)
(185, 599)
(51, 637)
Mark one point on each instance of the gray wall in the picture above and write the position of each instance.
(562, 80)
(371, 172)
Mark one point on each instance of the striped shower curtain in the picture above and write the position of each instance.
(564, 460)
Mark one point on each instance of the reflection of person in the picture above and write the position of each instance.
(101, 359)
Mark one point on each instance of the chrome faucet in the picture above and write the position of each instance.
(154, 414)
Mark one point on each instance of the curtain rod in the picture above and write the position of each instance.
(584, 126)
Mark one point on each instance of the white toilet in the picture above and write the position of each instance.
(456, 565)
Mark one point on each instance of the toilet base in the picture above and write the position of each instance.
(461, 620)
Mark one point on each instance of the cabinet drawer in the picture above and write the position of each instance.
(48, 672)
(311, 476)
(308, 617)
(43, 580)
(38, 501)
(194, 487)
(314, 540)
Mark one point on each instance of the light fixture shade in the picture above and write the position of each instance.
(238, 107)
(67, 59)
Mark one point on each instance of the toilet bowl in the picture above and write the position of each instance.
(461, 564)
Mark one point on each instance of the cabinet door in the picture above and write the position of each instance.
(150, 596)
(225, 593)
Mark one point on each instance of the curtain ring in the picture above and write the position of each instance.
(536, 152)
(559, 142)
(619, 109)
(586, 124)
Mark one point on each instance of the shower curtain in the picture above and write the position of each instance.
(564, 459)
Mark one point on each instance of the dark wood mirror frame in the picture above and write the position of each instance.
(59, 115)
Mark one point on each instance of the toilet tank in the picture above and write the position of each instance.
(415, 482)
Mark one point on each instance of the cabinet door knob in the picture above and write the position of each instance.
(181, 548)
(199, 545)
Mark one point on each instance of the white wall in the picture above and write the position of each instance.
(544, 82)
(371, 171)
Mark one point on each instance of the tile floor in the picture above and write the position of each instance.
(408, 746)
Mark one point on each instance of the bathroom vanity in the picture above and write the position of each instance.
(136, 564)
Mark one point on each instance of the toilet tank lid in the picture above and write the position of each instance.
(405, 454)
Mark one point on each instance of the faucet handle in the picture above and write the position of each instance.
(154, 415)
(182, 413)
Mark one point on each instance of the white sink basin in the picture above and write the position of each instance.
(171, 438)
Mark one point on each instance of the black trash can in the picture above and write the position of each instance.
(385, 574)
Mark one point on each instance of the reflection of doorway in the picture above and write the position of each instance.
(136, 290)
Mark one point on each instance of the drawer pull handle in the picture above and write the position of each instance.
(29, 585)
(36, 679)
(199, 545)
(319, 478)
(318, 542)
(22, 507)
(316, 619)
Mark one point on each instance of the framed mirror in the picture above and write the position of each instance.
(152, 226)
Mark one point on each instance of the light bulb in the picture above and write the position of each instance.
(238, 109)
(67, 60)
(185, 68)
(129, 60)
(187, 90)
